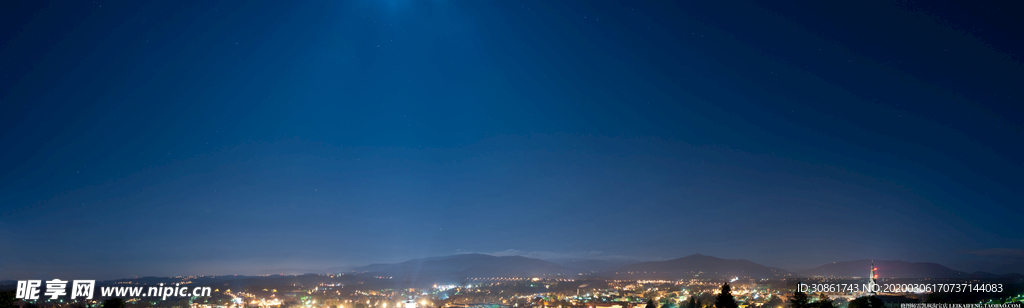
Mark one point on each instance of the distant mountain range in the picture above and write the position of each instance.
(456, 268)
(699, 266)
(459, 267)
(895, 268)
(592, 265)
(463, 266)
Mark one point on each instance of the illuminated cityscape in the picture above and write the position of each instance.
(372, 290)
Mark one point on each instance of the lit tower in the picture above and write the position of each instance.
(872, 279)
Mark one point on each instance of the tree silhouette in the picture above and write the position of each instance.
(7, 299)
(693, 301)
(725, 299)
(113, 303)
(651, 304)
(799, 300)
(934, 298)
(823, 302)
(866, 302)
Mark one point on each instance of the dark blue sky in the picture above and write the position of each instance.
(223, 137)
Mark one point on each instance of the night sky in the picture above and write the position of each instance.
(231, 137)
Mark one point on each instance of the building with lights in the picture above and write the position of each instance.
(872, 279)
